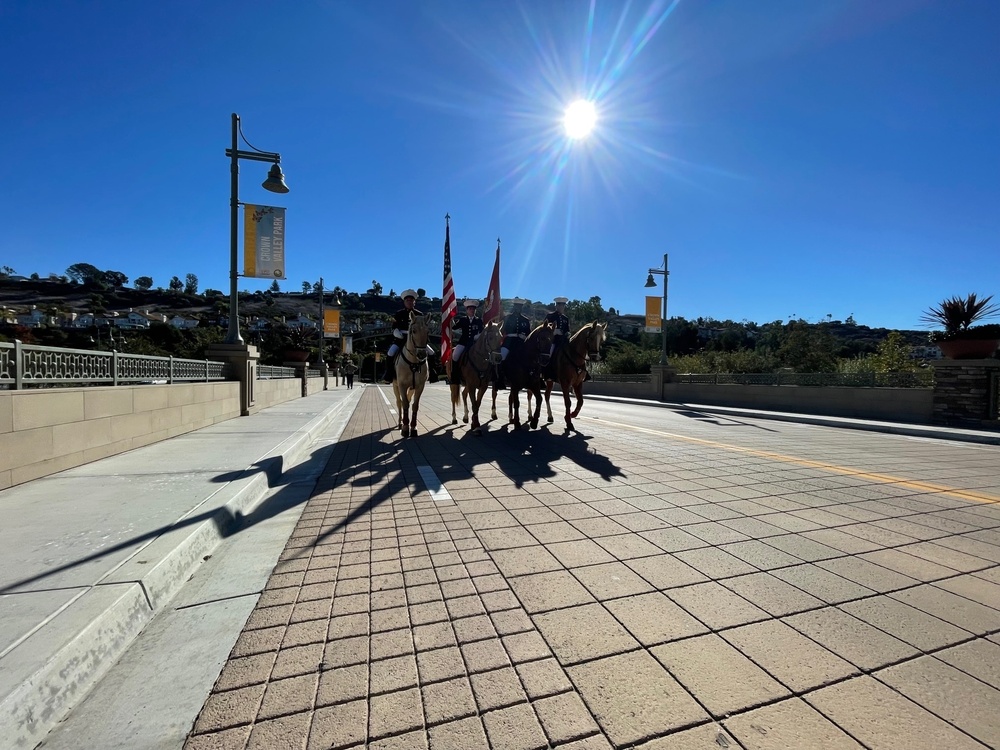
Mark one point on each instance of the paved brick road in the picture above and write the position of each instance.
(626, 588)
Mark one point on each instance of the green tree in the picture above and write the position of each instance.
(7, 271)
(808, 349)
(580, 313)
(376, 289)
(306, 287)
(114, 279)
(275, 287)
(84, 272)
(893, 355)
(176, 285)
(143, 283)
(190, 284)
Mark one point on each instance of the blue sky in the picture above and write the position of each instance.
(794, 158)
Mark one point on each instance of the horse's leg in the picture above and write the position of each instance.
(493, 410)
(417, 392)
(454, 403)
(477, 400)
(399, 403)
(548, 406)
(465, 397)
(514, 405)
(537, 393)
(578, 390)
(404, 415)
(564, 386)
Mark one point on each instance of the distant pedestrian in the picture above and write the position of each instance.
(349, 369)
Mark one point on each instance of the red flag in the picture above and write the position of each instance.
(449, 307)
(492, 309)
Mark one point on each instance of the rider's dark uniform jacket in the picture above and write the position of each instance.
(401, 321)
(516, 328)
(561, 324)
(470, 329)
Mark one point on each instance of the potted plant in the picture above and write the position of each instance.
(962, 339)
(298, 344)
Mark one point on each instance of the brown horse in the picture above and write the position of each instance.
(569, 367)
(523, 370)
(476, 365)
(411, 374)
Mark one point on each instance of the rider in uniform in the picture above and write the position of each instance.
(559, 321)
(400, 325)
(516, 328)
(464, 331)
(561, 334)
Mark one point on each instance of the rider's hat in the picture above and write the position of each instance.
(408, 293)
(561, 300)
(517, 301)
(471, 303)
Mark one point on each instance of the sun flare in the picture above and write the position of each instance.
(580, 118)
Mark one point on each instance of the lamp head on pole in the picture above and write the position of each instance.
(649, 281)
(275, 181)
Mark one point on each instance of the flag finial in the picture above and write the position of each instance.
(447, 218)
(498, 243)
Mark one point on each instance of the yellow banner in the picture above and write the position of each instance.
(331, 324)
(263, 242)
(653, 323)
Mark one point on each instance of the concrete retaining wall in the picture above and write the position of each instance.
(914, 405)
(46, 430)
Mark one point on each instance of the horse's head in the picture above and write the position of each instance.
(586, 342)
(595, 337)
(493, 333)
(417, 336)
(539, 342)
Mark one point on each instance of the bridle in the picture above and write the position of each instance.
(419, 353)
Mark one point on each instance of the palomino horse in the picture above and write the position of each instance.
(411, 374)
(476, 365)
(523, 368)
(569, 367)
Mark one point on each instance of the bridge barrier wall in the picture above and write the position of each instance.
(913, 405)
(46, 430)
(278, 391)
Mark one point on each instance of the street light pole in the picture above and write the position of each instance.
(275, 182)
(322, 324)
(650, 282)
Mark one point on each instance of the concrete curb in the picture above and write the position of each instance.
(96, 627)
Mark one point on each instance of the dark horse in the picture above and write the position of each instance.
(476, 365)
(569, 367)
(523, 369)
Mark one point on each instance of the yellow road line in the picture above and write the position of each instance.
(832, 468)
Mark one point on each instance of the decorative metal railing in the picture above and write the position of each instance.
(29, 366)
(635, 377)
(275, 372)
(921, 379)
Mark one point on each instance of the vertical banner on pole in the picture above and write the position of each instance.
(263, 242)
(348, 345)
(653, 322)
(331, 324)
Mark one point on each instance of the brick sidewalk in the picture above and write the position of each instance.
(584, 593)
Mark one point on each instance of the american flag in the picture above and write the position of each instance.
(449, 307)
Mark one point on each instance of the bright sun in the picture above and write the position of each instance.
(580, 119)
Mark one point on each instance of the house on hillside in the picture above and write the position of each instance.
(34, 318)
(183, 322)
(928, 351)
